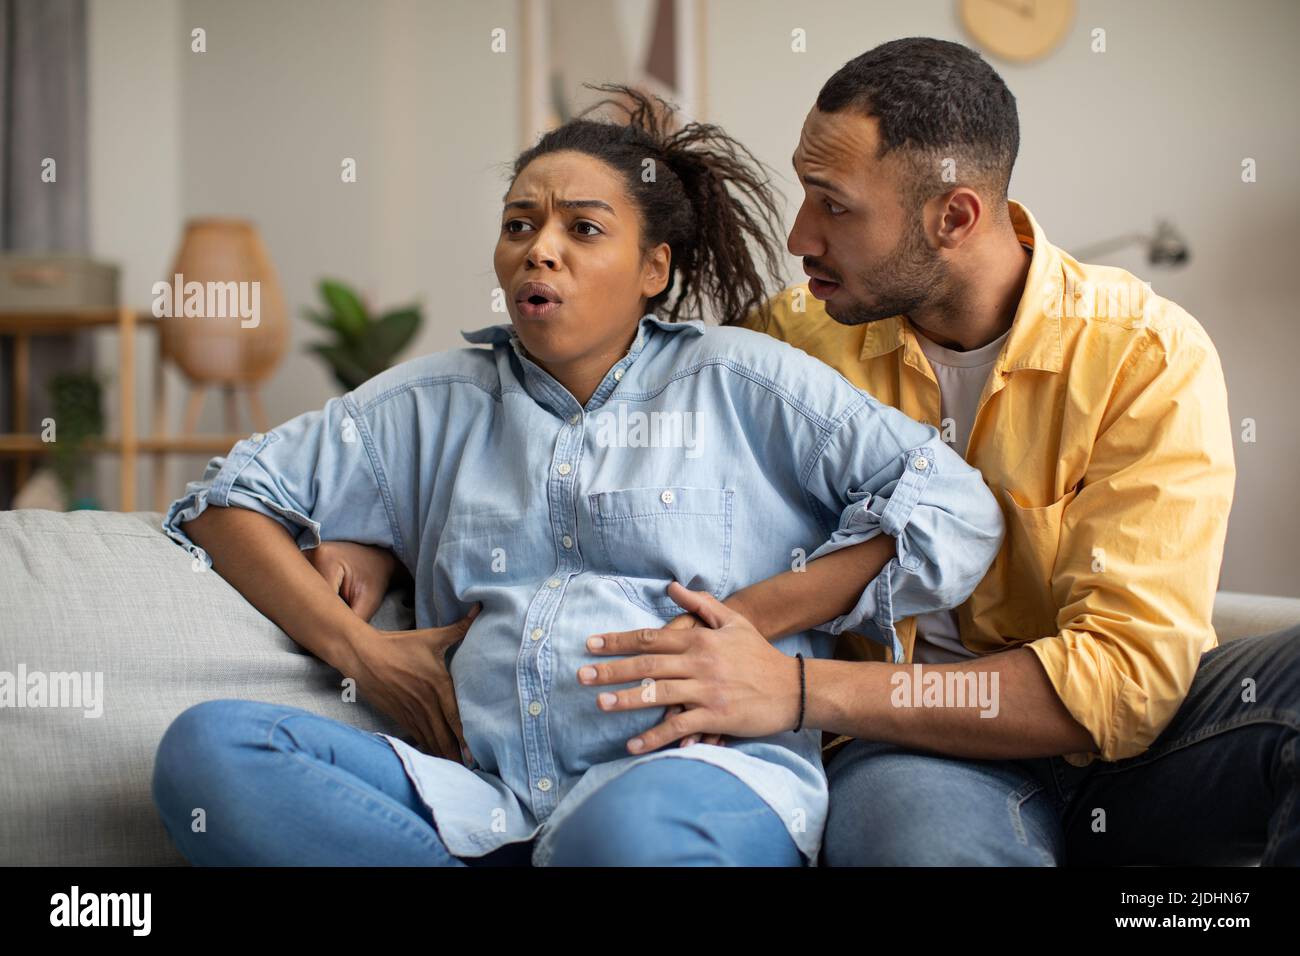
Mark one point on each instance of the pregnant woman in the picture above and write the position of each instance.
(552, 486)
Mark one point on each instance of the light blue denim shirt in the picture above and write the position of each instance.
(717, 457)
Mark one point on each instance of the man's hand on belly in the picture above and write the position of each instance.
(727, 675)
(680, 621)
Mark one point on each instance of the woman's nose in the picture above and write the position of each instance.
(541, 254)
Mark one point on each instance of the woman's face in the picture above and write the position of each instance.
(570, 262)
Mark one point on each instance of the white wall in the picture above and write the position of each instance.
(1156, 126)
(414, 94)
(134, 106)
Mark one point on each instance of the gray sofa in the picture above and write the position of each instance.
(108, 593)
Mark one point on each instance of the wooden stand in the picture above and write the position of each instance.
(28, 445)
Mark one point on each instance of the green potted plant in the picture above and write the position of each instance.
(78, 417)
(363, 345)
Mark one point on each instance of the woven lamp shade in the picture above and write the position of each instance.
(217, 349)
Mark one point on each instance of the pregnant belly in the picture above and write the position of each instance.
(507, 687)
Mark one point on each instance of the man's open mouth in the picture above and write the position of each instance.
(820, 285)
(822, 288)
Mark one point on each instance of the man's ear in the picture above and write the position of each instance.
(955, 216)
(654, 270)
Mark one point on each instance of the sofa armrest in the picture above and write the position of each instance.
(1238, 615)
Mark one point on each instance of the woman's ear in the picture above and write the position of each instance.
(654, 270)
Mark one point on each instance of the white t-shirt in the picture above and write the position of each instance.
(961, 378)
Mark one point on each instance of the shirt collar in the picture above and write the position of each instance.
(505, 332)
(544, 388)
(1035, 339)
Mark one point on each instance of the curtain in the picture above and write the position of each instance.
(42, 114)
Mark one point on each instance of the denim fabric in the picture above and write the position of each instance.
(717, 457)
(1220, 786)
(281, 786)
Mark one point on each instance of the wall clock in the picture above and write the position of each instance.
(1018, 30)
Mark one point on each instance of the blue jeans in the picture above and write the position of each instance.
(282, 786)
(1220, 785)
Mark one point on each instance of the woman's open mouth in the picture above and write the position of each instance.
(536, 300)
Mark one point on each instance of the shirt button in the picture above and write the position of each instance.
(618, 375)
(920, 464)
(544, 784)
(535, 708)
(564, 468)
(567, 541)
(573, 419)
(553, 583)
(256, 436)
(536, 634)
(666, 497)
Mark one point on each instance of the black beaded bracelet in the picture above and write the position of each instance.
(803, 694)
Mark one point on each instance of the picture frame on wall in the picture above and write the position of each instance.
(656, 46)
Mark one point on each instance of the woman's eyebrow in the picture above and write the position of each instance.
(565, 204)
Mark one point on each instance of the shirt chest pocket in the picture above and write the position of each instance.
(651, 536)
(1026, 566)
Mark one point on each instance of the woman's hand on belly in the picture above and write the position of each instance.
(404, 674)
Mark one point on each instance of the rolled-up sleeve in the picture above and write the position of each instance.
(888, 474)
(318, 475)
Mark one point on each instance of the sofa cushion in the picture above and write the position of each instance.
(108, 593)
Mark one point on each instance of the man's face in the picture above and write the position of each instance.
(861, 238)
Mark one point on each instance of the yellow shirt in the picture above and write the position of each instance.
(1103, 431)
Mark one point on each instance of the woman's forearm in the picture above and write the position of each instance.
(264, 564)
(823, 590)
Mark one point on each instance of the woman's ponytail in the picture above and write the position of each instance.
(737, 234)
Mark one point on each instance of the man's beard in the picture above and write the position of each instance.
(911, 276)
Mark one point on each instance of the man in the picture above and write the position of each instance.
(1102, 723)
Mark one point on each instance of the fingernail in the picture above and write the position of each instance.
(595, 643)
(608, 700)
(587, 673)
(637, 744)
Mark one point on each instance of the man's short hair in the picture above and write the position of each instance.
(936, 101)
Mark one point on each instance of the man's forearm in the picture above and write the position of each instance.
(823, 590)
(264, 564)
(865, 699)
(858, 698)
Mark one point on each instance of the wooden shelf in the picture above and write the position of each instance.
(59, 321)
(26, 324)
(16, 443)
